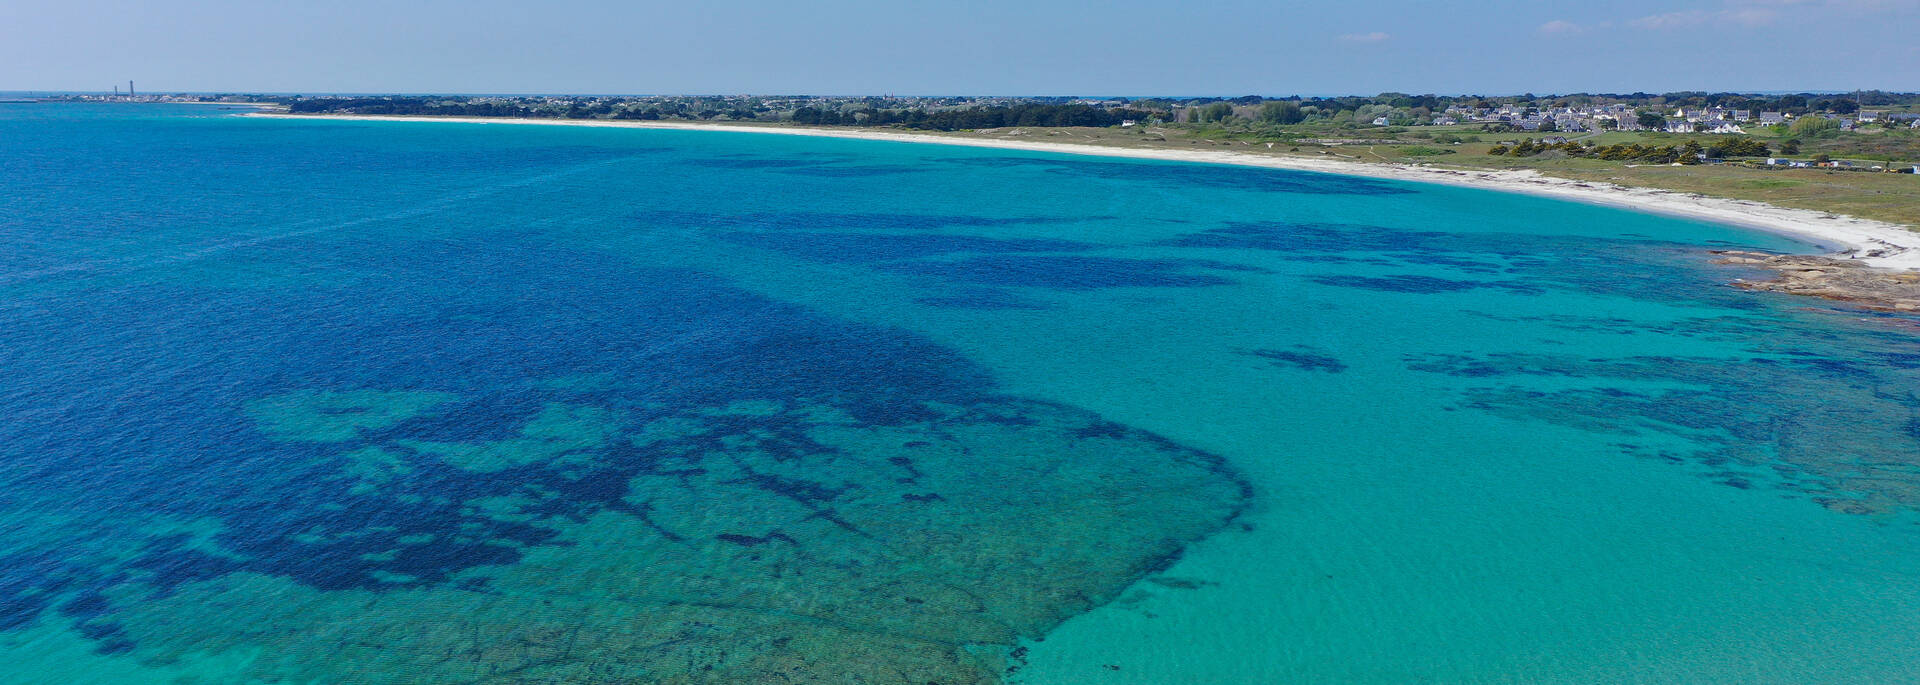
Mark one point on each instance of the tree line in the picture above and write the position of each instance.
(1030, 115)
(410, 106)
(1687, 153)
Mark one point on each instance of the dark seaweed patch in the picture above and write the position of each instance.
(753, 163)
(1197, 175)
(981, 298)
(1534, 263)
(491, 315)
(1418, 285)
(756, 541)
(830, 221)
(1300, 357)
(880, 247)
(1829, 428)
(859, 171)
(1072, 272)
(995, 263)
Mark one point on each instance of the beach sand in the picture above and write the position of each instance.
(1874, 243)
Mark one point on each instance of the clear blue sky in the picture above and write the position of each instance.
(1124, 47)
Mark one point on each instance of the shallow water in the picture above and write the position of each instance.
(316, 401)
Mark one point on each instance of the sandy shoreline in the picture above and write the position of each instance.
(1874, 243)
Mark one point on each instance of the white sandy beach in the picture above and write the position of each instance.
(1876, 243)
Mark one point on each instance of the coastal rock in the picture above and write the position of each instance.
(1830, 278)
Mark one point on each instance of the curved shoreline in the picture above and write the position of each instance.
(1874, 243)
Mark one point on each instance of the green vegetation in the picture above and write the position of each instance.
(1815, 126)
(972, 118)
(1609, 159)
(1689, 152)
(1213, 113)
(1282, 113)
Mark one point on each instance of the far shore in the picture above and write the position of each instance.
(1874, 243)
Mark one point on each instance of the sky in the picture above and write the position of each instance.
(962, 47)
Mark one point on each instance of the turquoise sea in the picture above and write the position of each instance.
(421, 402)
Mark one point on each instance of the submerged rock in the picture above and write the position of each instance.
(785, 544)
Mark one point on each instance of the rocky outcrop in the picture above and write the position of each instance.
(1830, 278)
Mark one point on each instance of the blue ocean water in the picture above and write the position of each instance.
(419, 402)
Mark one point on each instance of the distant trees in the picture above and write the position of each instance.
(1738, 147)
(1368, 114)
(813, 116)
(1651, 120)
(1282, 112)
(1526, 148)
(1790, 146)
(1840, 106)
(1213, 112)
(1689, 152)
(1032, 115)
(413, 106)
(1663, 154)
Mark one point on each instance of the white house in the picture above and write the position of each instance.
(1770, 118)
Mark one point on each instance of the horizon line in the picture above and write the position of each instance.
(937, 95)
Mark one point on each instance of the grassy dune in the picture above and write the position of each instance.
(1882, 196)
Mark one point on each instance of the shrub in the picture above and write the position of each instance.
(1814, 126)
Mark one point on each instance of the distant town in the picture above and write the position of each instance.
(1685, 112)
